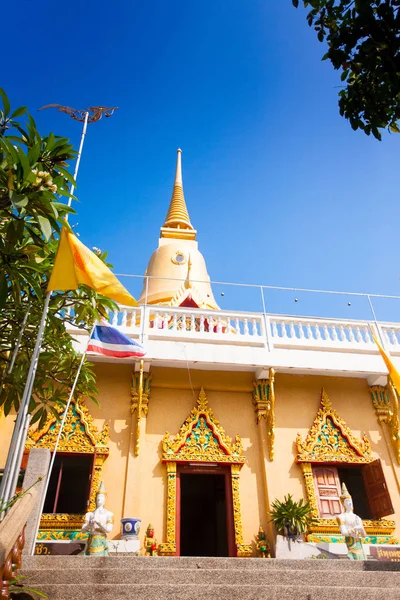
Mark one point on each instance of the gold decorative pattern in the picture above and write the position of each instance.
(145, 393)
(178, 216)
(330, 440)
(202, 438)
(386, 405)
(330, 526)
(242, 548)
(61, 521)
(264, 403)
(310, 491)
(79, 434)
(99, 460)
(169, 547)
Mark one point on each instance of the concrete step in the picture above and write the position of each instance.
(186, 562)
(199, 576)
(162, 591)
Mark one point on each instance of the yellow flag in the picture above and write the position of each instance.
(76, 264)
(393, 372)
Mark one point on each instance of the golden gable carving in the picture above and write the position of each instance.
(330, 440)
(79, 434)
(202, 438)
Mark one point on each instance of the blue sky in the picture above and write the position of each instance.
(281, 190)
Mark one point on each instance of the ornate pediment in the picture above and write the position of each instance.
(79, 433)
(202, 439)
(330, 440)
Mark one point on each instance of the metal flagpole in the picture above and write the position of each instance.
(89, 115)
(78, 159)
(85, 116)
(6, 491)
(47, 480)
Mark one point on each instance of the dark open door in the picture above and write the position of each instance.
(377, 492)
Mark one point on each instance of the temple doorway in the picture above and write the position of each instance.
(205, 515)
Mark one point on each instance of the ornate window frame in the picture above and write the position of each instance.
(80, 435)
(331, 441)
(201, 439)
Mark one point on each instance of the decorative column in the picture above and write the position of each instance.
(139, 408)
(242, 548)
(168, 548)
(140, 396)
(264, 407)
(385, 403)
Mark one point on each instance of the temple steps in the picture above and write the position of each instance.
(162, 578)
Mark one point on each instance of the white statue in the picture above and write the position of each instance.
(98, 523)
(351, 526)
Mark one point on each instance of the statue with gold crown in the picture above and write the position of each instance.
(351, 526)
(98, 523)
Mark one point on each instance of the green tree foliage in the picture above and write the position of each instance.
(363, 38)
(33, 175)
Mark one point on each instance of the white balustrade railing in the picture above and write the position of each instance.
(391, 335)
(254, 329)
(295, 331)
(205, 325)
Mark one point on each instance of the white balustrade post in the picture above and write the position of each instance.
(245, 326)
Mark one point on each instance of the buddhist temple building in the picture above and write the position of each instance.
(228, 411)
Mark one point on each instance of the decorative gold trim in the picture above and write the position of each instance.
(387, 413)
(330, 440)
(201, 438)
(50, 521)
(177, 262)
(79, 434)
(145, 393)
(330, 526)
(264, 406)
(168, 548)
(242, 548)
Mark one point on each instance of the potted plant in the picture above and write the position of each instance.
(291, 518)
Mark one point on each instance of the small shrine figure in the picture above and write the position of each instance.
(263, 547)
(351, 526)
(98, 523)
(150, 542)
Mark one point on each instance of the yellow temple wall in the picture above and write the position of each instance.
(298, 399)
(229, 395)
(6, 429)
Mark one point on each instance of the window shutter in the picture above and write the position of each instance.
(327, 487)
(377, 492)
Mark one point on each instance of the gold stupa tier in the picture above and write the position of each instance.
(177, 222)
(177, 270)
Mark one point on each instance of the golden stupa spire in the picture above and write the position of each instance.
(177, 222)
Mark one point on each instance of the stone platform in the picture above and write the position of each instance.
(187, 578)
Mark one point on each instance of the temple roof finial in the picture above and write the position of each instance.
(178, 217)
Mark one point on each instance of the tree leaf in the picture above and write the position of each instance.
(6, 102)
(44, 226)
(3, 289)
(19, 112)
(19, 200)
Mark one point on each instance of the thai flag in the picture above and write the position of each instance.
(110, 342)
